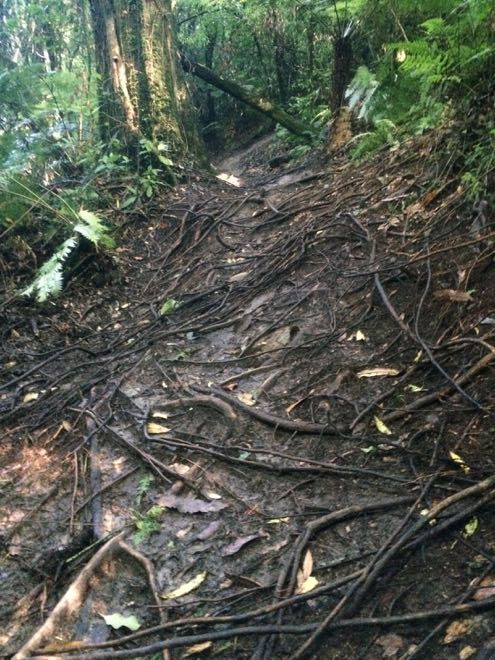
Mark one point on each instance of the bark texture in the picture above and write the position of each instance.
(141, 91)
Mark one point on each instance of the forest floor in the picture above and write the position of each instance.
(266, 432)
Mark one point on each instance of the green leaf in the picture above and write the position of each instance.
(117, 621)
(471, 527)
(128, 201)
(164, 160)
(169, 306)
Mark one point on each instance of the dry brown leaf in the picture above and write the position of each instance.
(377, 371)
(161, 414)
(197, 648)
(429, 197)
(308, 585)
(246, 398)
(31, 396)
(305, 581)
(467, 652)
(457, 629)
(155, 429)
(181, 468)
(307, 567)
(239, 543)
(239, 276)
(454, 295)
(391, 644)
(486, 588)
(414, 209)
(185, 588)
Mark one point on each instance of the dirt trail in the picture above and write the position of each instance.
(283, 403)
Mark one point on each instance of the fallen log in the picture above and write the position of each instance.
(265, 107)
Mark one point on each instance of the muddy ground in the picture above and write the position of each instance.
(264, 429)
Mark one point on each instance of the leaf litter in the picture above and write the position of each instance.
(356, 504)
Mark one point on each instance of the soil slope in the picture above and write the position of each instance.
(268, 433)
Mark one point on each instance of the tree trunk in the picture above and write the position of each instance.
(342, 69)
(234, 89)
(141, 92)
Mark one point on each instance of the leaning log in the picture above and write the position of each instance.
(267, 108)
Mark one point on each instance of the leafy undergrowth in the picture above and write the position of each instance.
(272, 435)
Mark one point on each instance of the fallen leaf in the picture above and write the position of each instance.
(467, 652)
(460, 461)
(211, 495)
(238, 277)
(161, 414)
(415, 388)
(377, 371)
(453, 295)
(308, 585)
(391, 644)
(381, 426)
(486, 588)
(457, 629)
(234, 547)
(246, 398)
(189, 504)
(181, 468)
(230, 178)
(307, 567)
(305, 581)
(31, 396)
(197, 649)
(360, 336)
(230, 387)
(414, 209)
(155, 429)
(117, 621)
(169, 306)
(471, 527)
(186, 588)
(209, 530)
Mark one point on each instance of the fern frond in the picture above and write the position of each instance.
(49, 280)
(361, 91)
(92, 228)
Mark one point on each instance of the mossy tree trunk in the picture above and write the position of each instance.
(141, 91)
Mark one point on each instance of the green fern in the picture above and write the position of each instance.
(92, 228)
(48, 282)
(361, 91)
(49, 279)
(384, 134)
